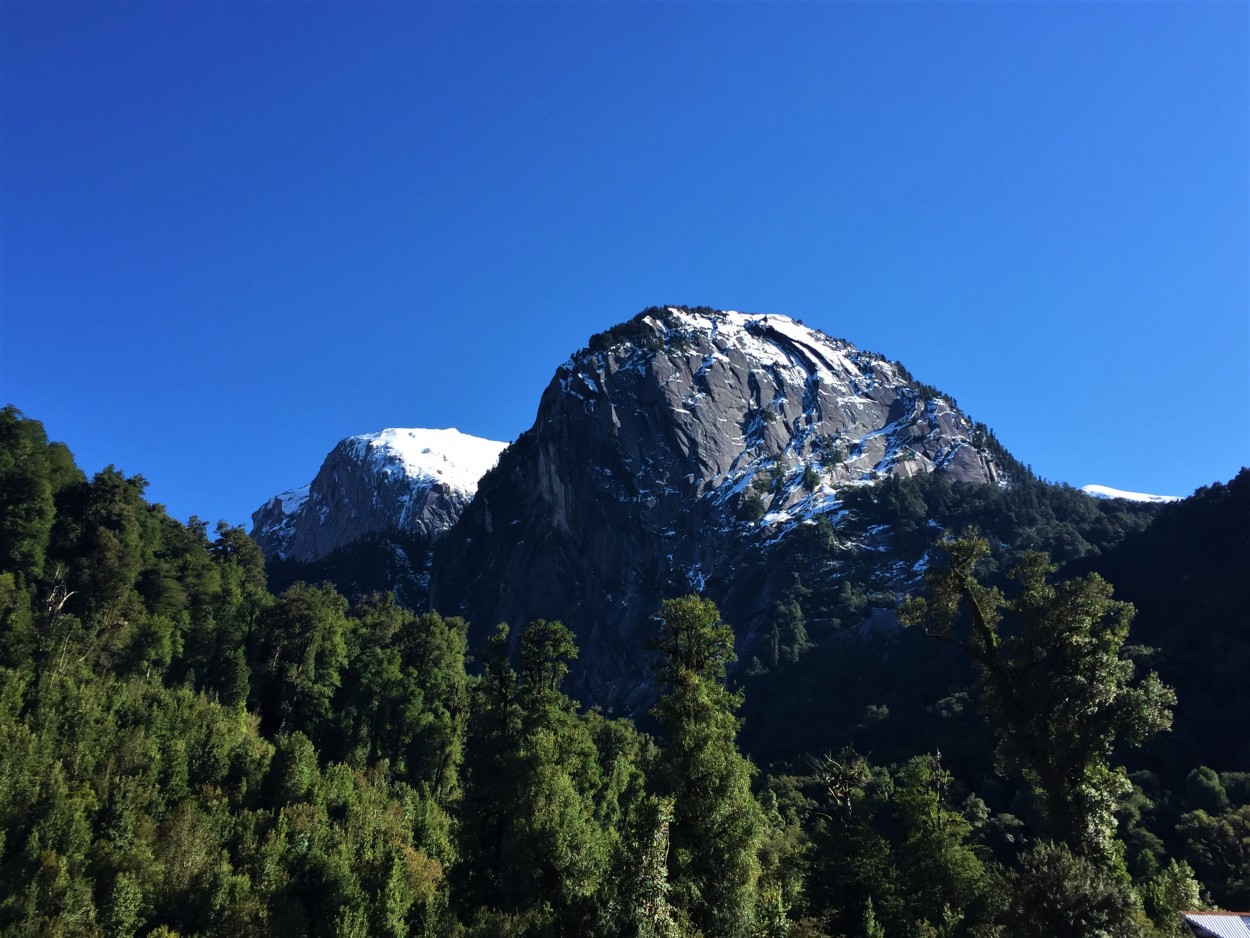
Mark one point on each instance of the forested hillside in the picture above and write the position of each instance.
(184, 753)
(1187, 575)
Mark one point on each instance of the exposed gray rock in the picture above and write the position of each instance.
(673, 446)
(413, 481)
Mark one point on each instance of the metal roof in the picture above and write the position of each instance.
(1219, 924)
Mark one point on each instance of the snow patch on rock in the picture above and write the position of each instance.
(1103, 491)
(448, 456)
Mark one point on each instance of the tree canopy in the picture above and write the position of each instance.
(182, 752)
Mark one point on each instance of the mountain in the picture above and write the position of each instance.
(670, 454)
(413, 482)
(797, 481)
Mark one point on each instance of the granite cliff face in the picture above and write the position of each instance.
(415, 482)
(665, 453)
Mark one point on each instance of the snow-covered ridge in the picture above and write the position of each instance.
(812, 359)
(448, 456)
(414, 481)
(290, 501)
(1103, 491)
(772, 409)
(747, 332)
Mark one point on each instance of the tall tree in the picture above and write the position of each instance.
(717, 824)
(852, 867)
(533, 843)
(938, 867)
(1054, 683)
(32, 472)
(433, 653)
(300, 655)
(489, 807)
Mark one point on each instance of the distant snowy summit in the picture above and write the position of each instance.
(1102, 491)
(412, 480)
(442, 456)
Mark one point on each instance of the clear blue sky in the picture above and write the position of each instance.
(233, 233)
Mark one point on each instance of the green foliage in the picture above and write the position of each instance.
(546, 649)
(1218, 849)
(635, 331)
(848, 612)
(641, 904)
(1205, 792)
(940, 870)
(788, 639)
(752, 508)
(872, 927)
(1054, 684)
(717, 824)
(811, 478)
(1058, 892)
(183, 753)
(852, 863)
(18, 640)
(403, 697)
(557, 832)
(692, 641)
(386, 562)
(32, 473)
(1186, 576)
(137, 795)
(1172, 891)
(300, 653)
(828, 451)
(1028, 515)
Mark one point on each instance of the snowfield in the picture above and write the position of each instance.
(1103, 491)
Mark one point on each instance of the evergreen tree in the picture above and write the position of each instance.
(140, 796)
(1166, 895)
(787, 639)
(535, 846)
(32, 473)
(404, 695)
(558, 852)
(489, 806)
(1058, 892)
(940, 872)
(1054, 683)
(433, 651)
(1218, 847)
(852, 864)
(717, 824)
(299, 657)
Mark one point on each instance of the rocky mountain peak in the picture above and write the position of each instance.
(750, 394)
(412, 480)
(664, 452)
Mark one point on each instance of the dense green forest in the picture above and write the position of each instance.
(184, 753)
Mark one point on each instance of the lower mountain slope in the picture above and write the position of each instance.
(1187, 576)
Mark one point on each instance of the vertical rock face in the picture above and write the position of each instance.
(413, 481)
(664, 452)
